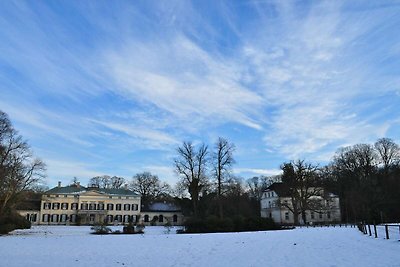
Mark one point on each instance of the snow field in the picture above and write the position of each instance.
(74, 246)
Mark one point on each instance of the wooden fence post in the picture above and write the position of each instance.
(369, 230)
(387, 231)
(376, 233)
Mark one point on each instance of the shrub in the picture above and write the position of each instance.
(101, 229)
(12, 221)
(129, 229)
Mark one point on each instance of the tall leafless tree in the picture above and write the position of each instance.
(148, 186)
(301, 181)
(190, 165)
(222, 160)
(388, 152)
(19, 169)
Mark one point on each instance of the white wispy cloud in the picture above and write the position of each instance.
(149, 137)
(255, 171)
(304, 77)
(178, 76)
(66, 170)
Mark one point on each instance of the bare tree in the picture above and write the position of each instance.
(107, 182)
(190, 165)
(222, 160)
(388, 151)
(148, 186)
(256, 185)
(301, 182)
(19, 170)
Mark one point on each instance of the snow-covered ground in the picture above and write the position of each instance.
(74, 246)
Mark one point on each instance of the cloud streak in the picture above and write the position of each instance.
(121, 83)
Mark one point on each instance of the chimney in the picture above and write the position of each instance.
(126, 186)
(59, 184)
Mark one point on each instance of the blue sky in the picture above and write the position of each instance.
(113, 87)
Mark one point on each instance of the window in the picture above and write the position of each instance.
(65, 195)
(109, 219)
(56, 206)
(64, 206)
(84, 206)
(328, 214)
(161, 218)
(54, 218)
(92, 206)
(146, 218)
(118, 218)
(312, 215)
(127, 218)
(119, 197)
(63, 218)
(110, 206)
(45, 217)
(74, 206)
(286, 216)
(73, 218)
(100, 206)
(175, 218)
(47, 205)
(135, 206)
(269, 204)
(118, 207)
(127, 207)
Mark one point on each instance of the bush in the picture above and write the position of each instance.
(214, 224)
(129, 229)
(101, 229)
(12, 221)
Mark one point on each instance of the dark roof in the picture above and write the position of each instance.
(280, 189)
(75, 189)
(70, 189)
(162, 207)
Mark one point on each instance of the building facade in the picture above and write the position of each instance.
(276, 203)
(161, 213)
(75, 204)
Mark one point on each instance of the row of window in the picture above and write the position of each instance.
(31, 217)
(55, 218)
(89, 206)
(63, 218)
(121, 218)
(159, 218)
(270, 194)
(76, 196)
(312, 215)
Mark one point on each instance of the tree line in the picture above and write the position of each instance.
(364, 176)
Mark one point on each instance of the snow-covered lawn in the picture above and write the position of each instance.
(74, 246)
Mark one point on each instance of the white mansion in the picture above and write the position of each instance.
(75, 204)
(276, 200)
